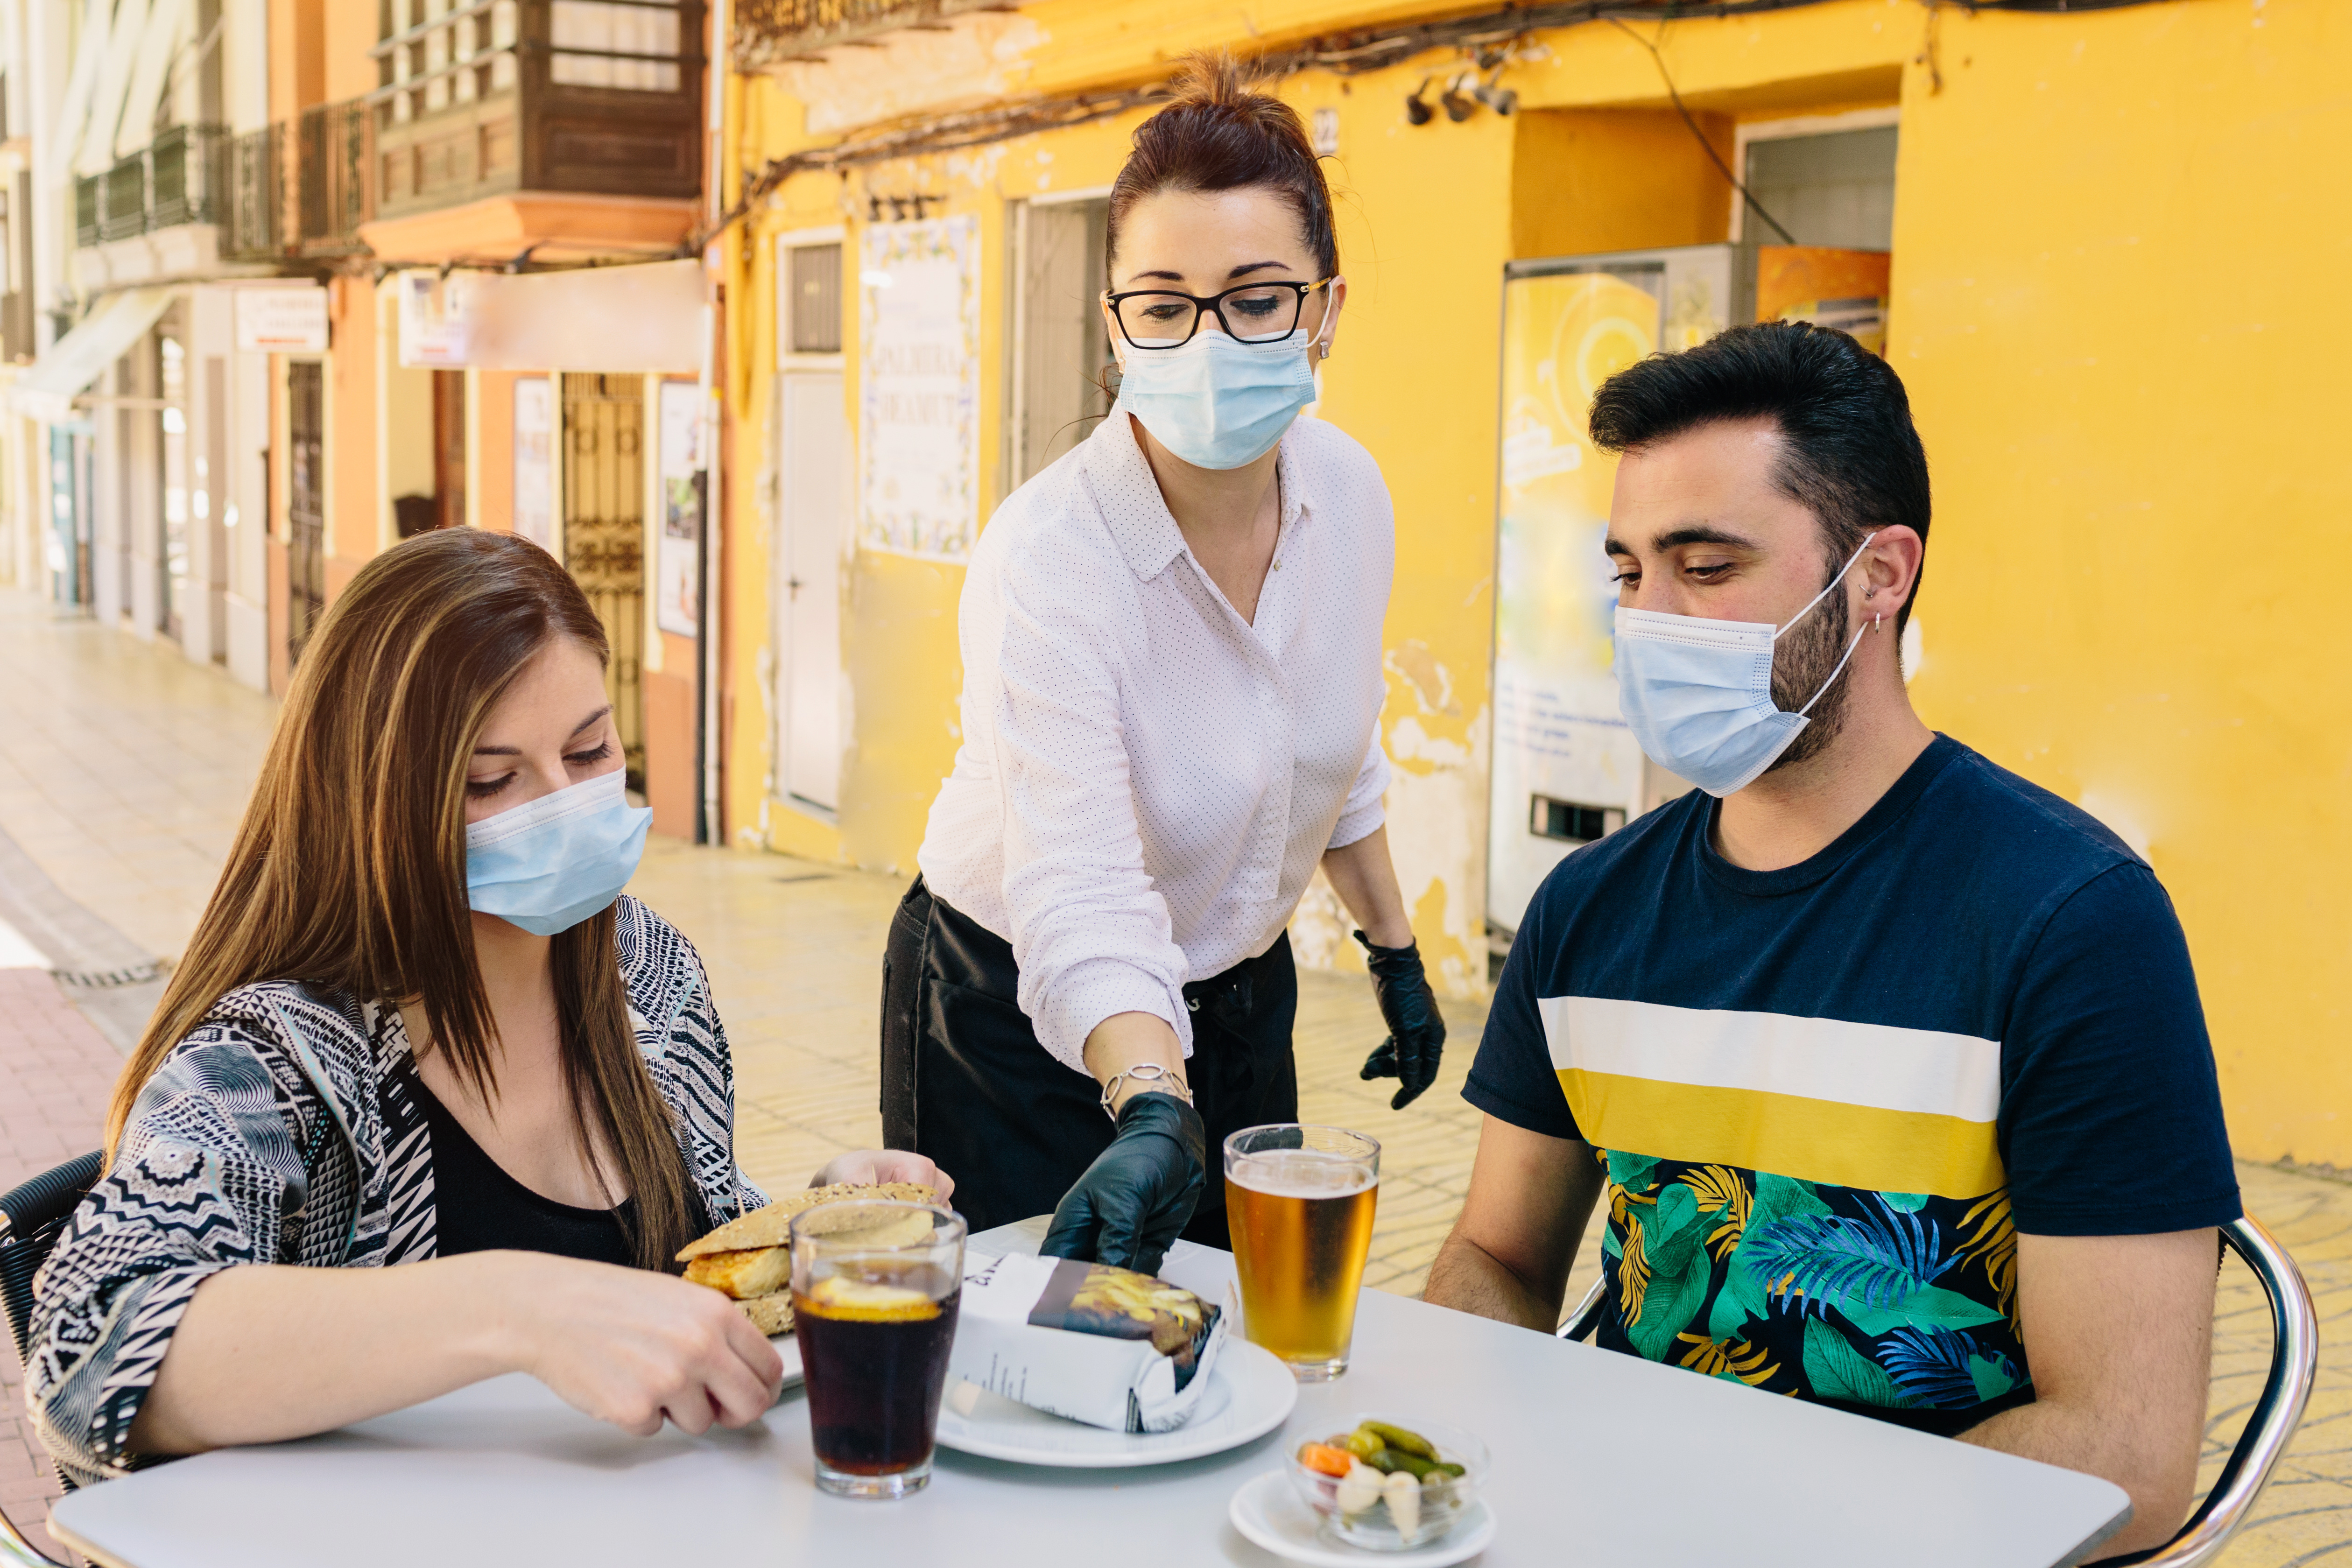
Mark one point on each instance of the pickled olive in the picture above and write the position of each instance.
(1324, 1459)
(1361, 1443)
(1383, 1460)
(1400, 1439)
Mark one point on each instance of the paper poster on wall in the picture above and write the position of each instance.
(678, 567)
(534, 479)
(919, 418)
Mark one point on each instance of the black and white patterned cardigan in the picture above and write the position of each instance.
(285, 1128)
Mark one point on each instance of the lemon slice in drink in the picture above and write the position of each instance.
(864, 1300)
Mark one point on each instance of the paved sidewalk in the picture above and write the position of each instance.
(123, 770)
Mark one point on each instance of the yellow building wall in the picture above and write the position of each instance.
(2117, 237)
(2120, 249)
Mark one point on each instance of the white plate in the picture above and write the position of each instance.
(1249, 1394)
(1270, 1512)
(788, 1346)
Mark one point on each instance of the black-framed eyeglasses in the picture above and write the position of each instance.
(1252, 313)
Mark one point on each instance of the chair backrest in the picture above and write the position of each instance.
(2294, 1366)
(32, 1217)
(35, 1216)
(1587, 1316)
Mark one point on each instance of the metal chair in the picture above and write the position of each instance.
(2294, 1364)
(32, 1217)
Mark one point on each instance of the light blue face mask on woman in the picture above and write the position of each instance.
(550, 864)
(1217, 402)
(1698, 694)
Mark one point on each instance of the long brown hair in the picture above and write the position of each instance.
(1219, 133)
(348, 870)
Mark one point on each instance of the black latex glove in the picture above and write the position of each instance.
(1139, 1192)
(1416, 1034)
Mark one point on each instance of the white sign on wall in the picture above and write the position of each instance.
(919, 417)
(534, 475)
(676, 572)
(282, 319)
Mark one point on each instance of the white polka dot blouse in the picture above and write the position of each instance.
(1147, 780)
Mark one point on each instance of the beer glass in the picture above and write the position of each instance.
(875, 1289)
(1300, 1201)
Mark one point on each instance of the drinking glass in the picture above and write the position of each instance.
(875, 1289)
(1300, 1200)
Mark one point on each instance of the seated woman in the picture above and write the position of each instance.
(427, 1100)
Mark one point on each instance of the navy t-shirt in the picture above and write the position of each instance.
(1829, 1096)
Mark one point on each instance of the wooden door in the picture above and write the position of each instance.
(604, 535)
(815, 479)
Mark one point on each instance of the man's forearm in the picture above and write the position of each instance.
(1468, 1278)
(2079, 1439)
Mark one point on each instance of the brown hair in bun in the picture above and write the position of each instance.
(1220, 134)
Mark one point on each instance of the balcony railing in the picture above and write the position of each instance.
(179, 179)
(333, 196)
(482, 98)
(256, 196)
(769, 31)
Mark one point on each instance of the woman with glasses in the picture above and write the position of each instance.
(1171, 643)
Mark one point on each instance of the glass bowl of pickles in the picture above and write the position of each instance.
(1390, 1484)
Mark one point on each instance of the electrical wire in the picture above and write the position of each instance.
(1348, 53)
(1700, 136)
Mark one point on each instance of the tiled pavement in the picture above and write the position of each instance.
(92, 724)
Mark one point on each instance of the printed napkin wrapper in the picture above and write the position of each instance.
(1106, 1346)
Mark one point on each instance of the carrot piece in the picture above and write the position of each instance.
(1324, 1458)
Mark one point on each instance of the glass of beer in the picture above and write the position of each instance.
(1300, 1201)
(875, 1289)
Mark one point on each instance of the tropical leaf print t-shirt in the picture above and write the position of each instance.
(1829, 1097)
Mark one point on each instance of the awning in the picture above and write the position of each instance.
(47, 391)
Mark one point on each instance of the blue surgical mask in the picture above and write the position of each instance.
(1698, 694)
(550, 864)
(1217, 402)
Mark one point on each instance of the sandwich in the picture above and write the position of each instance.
(750, 1260)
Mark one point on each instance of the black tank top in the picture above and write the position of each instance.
(480, 1207)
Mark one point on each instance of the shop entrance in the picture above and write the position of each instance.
(605, 536)
(306, 503)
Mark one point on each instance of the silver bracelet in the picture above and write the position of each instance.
(1150, 1072)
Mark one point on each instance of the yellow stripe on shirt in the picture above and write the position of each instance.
(1813, 1140)
(1876, 1106)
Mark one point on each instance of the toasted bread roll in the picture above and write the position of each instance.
(772, 1226)
(753, 1271)
(771, 1315)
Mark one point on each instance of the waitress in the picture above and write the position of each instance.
(1172, 679)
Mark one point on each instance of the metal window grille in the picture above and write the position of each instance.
(816, 282)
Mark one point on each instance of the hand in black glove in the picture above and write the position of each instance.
(1416, 1034)
(1139, 1192)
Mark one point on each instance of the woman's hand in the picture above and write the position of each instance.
(637, 1348)
(871, 1167)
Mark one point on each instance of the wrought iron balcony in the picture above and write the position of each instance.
(180, 178)
(768, 32)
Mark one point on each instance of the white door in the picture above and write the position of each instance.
(813, 530)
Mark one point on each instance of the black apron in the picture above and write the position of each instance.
(966, 1083)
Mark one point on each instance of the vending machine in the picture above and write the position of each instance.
(1566, 769)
